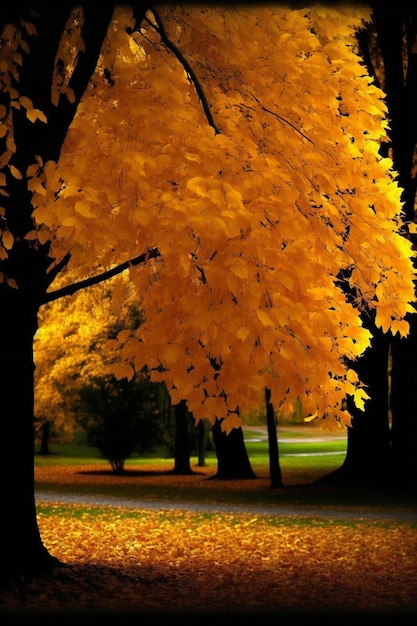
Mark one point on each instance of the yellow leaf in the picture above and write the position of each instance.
(264, 318)
(240, 268)
(242, 333)
(383, 318)
(171, 353)
(36, 114)
(29, 27)
(83, 207)
(352, 376)
(400, 326)
(7, 239)
(26, 102)
(11, 282)
(122, 370)
(231, 421)
(35, 185)
(15, 172)
(43, 236)
(215, 407)
(359, 398)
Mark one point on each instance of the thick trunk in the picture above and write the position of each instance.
(232, 457)
(394, 26)
(368, 457)
(274, 466)
(404, 408)
(22, 548)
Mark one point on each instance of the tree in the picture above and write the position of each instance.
(382, 442)
(274, 465)
(232, 457)
(69, 349)
(120, 417)
(234, 207)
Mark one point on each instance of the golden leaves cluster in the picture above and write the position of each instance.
(256, 223)
(13, 47)
(70, 346)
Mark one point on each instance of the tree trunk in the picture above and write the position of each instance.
(22, 549)
(201, 443)
(368, 456)
(232, 457)
(394, 26)
(182, 440)
(44, 447)
(274, 466)
(404, 408)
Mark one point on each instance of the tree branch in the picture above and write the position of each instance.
(57, 268)
(69, 290)
(280, 118)
(191, 74)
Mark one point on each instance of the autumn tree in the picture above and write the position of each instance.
(236, 184)
(68, 350)
(382, 442)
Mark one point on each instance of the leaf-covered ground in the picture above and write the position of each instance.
(151, 562)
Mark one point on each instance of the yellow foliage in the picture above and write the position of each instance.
(70, 346)
(256, 204)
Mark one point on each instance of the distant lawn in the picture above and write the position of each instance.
(317, 455)
(78, 469)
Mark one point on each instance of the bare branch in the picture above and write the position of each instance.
(191, 74)
(280, 118)
(53, 273)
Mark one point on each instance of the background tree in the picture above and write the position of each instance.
(120, 417)
(382, 442)
(274, 464)
(234, 207)
(232, 457)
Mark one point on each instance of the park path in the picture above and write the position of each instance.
(255, 433)
(276, 511)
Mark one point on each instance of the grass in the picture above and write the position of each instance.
(78, 469)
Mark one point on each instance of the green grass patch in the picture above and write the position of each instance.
(302, 463)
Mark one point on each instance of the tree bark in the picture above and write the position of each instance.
(182, 440)
(376, 453)
(22, 548)
(201, 443)
(44, 447)
(368, 456)
(404, 409)
(274, 465)
(394, 27)
(232, 457)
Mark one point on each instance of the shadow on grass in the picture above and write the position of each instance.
(127, 473)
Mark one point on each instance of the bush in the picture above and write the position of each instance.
(120, 417)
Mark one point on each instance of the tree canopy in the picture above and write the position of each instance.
(249, 177)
